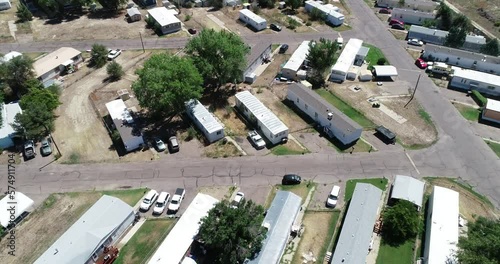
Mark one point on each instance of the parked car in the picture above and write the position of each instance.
(159, 145)
(290, 179)
(421, 63)
(398, 26)
(415, 42)
(283, 48)
(114, 53)
(176, 201)
(29, 149)
(256, 139)
(384, 11)
(395, 21)
(192, 31)
(45, 149)
(275, 27)
(161, 203)
(148, 200)
(173, 144)
(237, 199)
(331, 201)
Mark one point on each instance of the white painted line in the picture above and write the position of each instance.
(412, 163)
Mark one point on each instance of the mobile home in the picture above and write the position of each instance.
(413, 17)
(345, 60)
(165, 20)
(204, 120)
(252, 19)
(296, 61)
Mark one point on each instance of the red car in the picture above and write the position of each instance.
(421, 63)
(395, 21)
(384, 11)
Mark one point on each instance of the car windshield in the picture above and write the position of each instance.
(159, 204)
(332, 196)
(146, 201)
(174, 202)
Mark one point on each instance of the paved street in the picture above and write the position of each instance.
(458, 153)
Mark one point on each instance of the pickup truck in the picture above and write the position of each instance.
(29, 149)
(175, 203)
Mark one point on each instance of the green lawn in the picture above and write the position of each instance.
(468, 112)
(131, 197)
(494, 146)
(380, 183)
(402, 254)
(346, 109)
(360, 146)
(301, 190)
(373, 55)
(282, 150)
(331, 231)
(425, 116)
(143, 244)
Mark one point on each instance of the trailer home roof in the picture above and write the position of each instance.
(298, 57)
(201, 113)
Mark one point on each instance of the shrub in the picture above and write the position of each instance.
(497, 24)
(308, 23)
(381, 61)
(479, 98)
(115, 71)
(317, 15)
(187, 18)
(292, 23)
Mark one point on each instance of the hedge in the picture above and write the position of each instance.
(479, 98)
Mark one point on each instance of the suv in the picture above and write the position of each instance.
(29, 149)
(175, 203)
(256, 139)
(148, 200)
(237, 200)
(283, 48)
(331, 201)
(173, 144)
(161, 203)
(290, 179)
(45, 149)
(275, 27)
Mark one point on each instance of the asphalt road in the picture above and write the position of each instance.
(458, 153)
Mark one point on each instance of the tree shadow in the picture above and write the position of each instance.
(104, 13)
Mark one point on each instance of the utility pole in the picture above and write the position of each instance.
(142, 42)
(414, 91)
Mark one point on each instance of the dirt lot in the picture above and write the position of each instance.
(267, 77)
(418, 130)
(79, 133)
(485, 13)
(5, 16)
(470, 204)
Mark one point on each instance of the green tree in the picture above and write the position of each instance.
(99, 55)
(482, 243)
(232, 235)
(446, 14)
(456, 37)
(491, 48)
(112, 4)
(40, 96)
(430, 23)
(17, 72)
(317, 15)
(294, 4)
(216, 4)
(115, 71)
(320, 58)
(401, 222)
(381, 61)
(23, 13)
(266, 3)
(219, 56)
(166, 82)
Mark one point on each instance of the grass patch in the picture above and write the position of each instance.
(301, 190)
(425, 116)
(402, 254)
(275, 46)
(49, 202)
(131, 197)
(145, 241)
(380, 183)
(374, 55)
(414, 146)
(360, 146)
(463, 185)
(494, 146)
(23, 28)
(342, 27)
(283, 150)
(346, 109)
(222, 149)
(469, 113)
(34, 55)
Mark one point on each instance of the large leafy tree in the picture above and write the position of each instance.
(112, 4)
(216, 4)
(401, 222)
(320, 58)
(166, 82)
(219, 56)
(446, 14)
(294, 4)
(232, 235)
(458, 32)
(17, 72)
(23, 14)
(99, 55)
(482, 243)
(491, 48)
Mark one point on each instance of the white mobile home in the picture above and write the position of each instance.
(413, 17)
(345, 60)
(7, 133)
(438, 37)
(474, 80)
(331, 12)
(249, 17)
(5, 4)
(23, 205)
(165, 20)
(442, 226)
(258, 54)
(52, 65)
(204, 120)
(296, 61)
(124, 123)
(421, 5)
(491, 111)
(335, 123)
(258, 114)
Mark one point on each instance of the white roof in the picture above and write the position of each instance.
(206, 119)
(261, 112)
(9, 56)
(9, 111)
(298, 57)
(327, 9)
(123, 120)
(254, 17)
(178, 241)
(163, 16)
(87, 234)
(346, 59)
(422, 14)
(133, 11)
(443, 225)
(21, 202)
(477, 76)
(493, 105)
(385, 70)
(409, 189)
(54, 59)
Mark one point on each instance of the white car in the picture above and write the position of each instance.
(237, 199)
(161, 203)
(415, 42)
(333, 197)
(160, 145)
(256, 139)
(175, 203)
(148, 200)
(114, 53)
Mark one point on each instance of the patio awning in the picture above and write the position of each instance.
(385, 71)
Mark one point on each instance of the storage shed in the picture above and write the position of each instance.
(296, 61)
(279, 220)
(23, 205)
(491, 111)
(252, 19)
(133, 14)
(165, 20)
(259, 115)
(124, 123)
(206, 122)
(409, 189)
(365, 75)
(334, 123)
(7, 132)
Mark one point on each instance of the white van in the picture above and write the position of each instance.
(161, 203)
(148, 200)
(331, 201)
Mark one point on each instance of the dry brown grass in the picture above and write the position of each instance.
(315, 235)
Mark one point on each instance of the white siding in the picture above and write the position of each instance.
(412, 16)
(249, 17)
(204, 120)
(293, 65)
(345, 60)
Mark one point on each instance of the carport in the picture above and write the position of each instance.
(385, 72)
